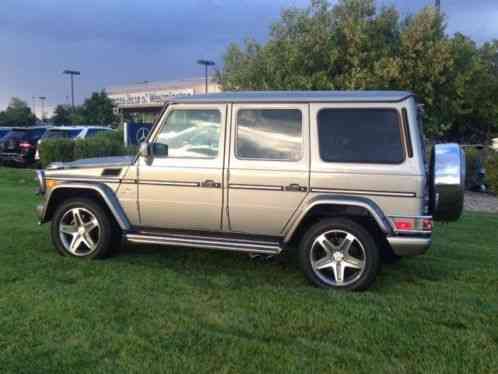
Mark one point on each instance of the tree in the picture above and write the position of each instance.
(18, 113)
(354, 45)
(98, 110)
(62, 115)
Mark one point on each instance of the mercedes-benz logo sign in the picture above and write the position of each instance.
(142, 134)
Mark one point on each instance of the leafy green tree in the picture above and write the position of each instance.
(354, 45)
(62, 115)
(18, 113)
(98, 110)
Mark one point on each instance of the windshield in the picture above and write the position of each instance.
(62, 134)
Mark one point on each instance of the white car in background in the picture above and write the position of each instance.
(72, 133)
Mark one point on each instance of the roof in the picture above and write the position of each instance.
(295, 97)
(82, 127)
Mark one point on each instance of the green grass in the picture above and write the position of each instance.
(175, 310)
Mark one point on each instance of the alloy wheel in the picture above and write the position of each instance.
(79, 231)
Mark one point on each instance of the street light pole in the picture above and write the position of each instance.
(42, 100)
(206, 64)
(72, 73)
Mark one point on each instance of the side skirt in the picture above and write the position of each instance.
(207, 242)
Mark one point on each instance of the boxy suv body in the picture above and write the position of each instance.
(339, 177)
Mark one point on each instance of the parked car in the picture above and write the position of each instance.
(71, 132)
(4, 131)
(18, 146)
(338, 177)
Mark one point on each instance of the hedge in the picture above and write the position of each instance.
(102, 145)
(492, 172)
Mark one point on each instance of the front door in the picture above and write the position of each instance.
(183, 190)
(268, 170)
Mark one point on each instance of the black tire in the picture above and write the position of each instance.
(364, 243)
(106, 233)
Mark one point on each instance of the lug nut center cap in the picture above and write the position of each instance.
(338, 256)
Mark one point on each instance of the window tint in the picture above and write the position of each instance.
(61, 134)
(269, 134)
(191, 133)
(35, 134)
(360, 135)
(93, 132)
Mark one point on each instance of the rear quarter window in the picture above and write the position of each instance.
(360, 136)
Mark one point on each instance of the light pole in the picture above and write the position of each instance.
(206, 64)
(42, 100)
(72, 73)
(34, 105)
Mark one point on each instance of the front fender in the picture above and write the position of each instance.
(327, 200)
(103, 191)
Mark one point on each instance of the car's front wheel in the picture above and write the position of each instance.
(81, 228)
(339, 253)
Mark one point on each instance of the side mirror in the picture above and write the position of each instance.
(160, 150)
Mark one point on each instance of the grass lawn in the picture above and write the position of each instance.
(176, 310)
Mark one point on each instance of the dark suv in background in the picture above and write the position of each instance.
(19, 145)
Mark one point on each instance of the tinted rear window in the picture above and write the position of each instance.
(16, 135)
(360, 135)
(62, 134)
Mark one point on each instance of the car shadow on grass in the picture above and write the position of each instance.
(278, 271)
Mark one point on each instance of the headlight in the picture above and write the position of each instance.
(40, 177)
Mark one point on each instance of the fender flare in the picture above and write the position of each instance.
(105, 192)
(323, 200)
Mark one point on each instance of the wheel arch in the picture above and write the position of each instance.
(98, 191)
(361, 209)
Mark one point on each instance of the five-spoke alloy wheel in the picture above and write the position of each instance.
(81, 228)
(339, 253)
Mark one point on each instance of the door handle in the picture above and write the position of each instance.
(209, 183)
(295, 187)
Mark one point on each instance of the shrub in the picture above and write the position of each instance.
(102, 145)
(53, 150)
(471, 163)
(492, 171)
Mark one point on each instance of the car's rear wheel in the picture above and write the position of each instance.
(81, 228)
(339, 253)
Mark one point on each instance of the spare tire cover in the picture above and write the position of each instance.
(447, 182)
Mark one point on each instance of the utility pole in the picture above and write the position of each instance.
(72, 73)
(42, 100)
(206, 64)
(438, 6)
(34, 105)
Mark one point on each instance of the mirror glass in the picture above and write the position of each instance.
(160, 150)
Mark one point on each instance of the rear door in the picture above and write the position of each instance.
(268, 170)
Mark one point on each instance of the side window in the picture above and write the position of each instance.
(191, 133)
(360, 135)
(269, 134)
(93, 132)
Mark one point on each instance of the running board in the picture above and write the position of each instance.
(219, 243)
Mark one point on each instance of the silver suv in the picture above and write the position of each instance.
(338, 177)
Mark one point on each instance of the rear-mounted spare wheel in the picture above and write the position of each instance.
(447, 182)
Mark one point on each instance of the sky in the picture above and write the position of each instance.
(119, 42)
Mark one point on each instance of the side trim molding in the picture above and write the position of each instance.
(365, 192)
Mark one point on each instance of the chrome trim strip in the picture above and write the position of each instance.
(365, 192)
(219, 244)
(255, 187)
(169, 183)
(86, 179)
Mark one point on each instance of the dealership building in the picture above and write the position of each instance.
(142, 102)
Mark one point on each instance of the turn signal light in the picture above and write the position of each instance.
(51, 183)
(404, 224)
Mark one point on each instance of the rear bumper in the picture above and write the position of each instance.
(409, 245)
(19, 158)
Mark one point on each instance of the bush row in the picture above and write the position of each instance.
(102, 145)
